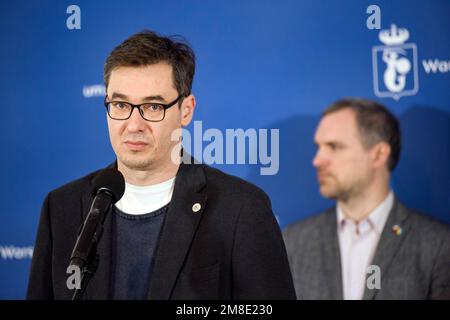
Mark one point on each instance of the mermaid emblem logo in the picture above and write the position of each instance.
(395, 72)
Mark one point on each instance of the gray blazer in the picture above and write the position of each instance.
(413, 265)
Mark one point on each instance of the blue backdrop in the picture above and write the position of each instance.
(261, 65)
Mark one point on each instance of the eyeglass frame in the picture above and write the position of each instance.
(138, 106)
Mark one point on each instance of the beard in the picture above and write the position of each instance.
(137, 160)
(150, 158)
(332, 188)
(136, 163)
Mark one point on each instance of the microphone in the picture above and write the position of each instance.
(108, 188)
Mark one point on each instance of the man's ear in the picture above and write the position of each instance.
(187, 110)
(381, 153)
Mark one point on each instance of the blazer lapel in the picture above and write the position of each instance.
(330, 247)
(178, 230)
(389, 243)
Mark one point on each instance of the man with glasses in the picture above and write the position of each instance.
(180, 231)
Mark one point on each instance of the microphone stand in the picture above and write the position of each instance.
(84, 255)
(86, 274)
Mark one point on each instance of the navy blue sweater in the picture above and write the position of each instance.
(134, 246)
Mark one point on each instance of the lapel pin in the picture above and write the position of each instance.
(196, 207)
(397, 230)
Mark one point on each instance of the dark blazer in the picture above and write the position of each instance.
(231, 249)
(413, 265)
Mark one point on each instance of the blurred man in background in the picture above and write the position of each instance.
(370, 246)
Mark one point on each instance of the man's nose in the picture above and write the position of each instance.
(135, 122)
(319, 159)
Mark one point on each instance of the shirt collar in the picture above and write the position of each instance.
(377, 218)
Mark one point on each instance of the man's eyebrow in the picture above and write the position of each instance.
(334, 143)
(117, 95)
(330, 143)
(153, 98)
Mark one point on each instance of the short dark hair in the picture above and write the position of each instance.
(375, 124)
(147, 48)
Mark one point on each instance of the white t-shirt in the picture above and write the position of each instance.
(144, 199)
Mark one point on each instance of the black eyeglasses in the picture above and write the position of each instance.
(150, 111)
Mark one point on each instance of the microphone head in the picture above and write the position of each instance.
(111, 180)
